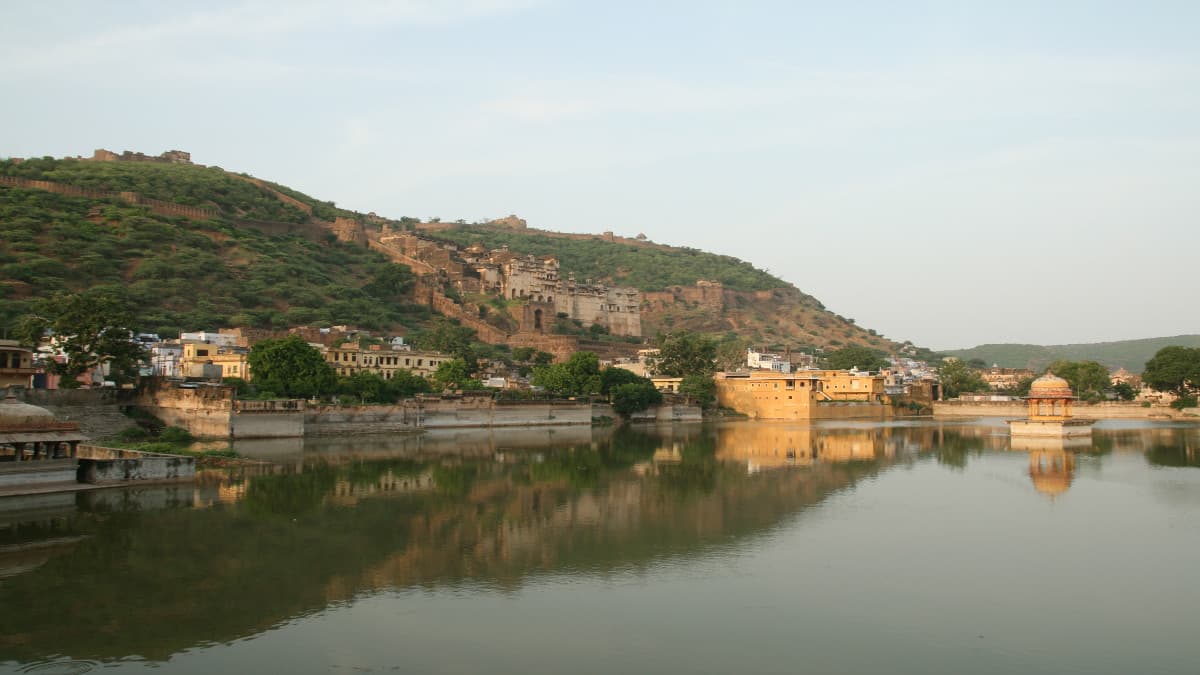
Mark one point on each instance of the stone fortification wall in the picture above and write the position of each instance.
(155, 205)
(560, 346)
(707, 294)
(1098, 411)
(485, 332)
(286, 199)
(398, 255)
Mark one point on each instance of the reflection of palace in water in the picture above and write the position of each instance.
(1051, 471)
(765, 446)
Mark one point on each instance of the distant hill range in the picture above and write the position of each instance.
(1129, 354)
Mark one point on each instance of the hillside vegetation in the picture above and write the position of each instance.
(1129, 354)
(181, 274)
(647, 268)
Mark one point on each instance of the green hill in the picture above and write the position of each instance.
(645, 267)
(183, 274)
(1129, 354)
(195, 247)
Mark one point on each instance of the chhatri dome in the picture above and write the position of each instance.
(1050, 386)
(1051, 411)
(16, 413)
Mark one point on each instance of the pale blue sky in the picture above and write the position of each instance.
(947, 172)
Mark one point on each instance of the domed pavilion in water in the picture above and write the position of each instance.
(1051, 411)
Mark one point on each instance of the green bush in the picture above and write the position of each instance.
(132, 434)
(1182, 402)
(176, 435)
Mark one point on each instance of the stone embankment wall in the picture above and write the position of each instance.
(98, 411)
(1098, 411)
(485, 412)
(267, 419)
(329, 420)
(99, 465)
(668, 413)
(205, 412)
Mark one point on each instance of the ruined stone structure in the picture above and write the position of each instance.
(168, 157)
(534, 280)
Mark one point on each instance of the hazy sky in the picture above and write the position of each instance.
(947, 172)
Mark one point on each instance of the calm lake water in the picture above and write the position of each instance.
(744, 547)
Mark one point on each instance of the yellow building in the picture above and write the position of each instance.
(849, 385)
(211, 361)
(16, 364)
(803, 394)
(349, 359)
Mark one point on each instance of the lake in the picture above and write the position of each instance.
(740, 547)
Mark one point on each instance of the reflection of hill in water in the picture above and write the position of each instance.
(336, 522)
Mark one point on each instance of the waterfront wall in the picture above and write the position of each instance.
(328, 420)
(206, 412)
(97, 411)
(99, 465)
(485, 412)
(1097, 411)
(668, 413)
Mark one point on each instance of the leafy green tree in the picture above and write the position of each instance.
(406, 384)
(1088, 379)
(1124, 391)
(700, 388)
(612, 377)
(90, 328)
(579, 376)
(854, 356)
(1174, 369)
(957, 378)
(633, 397)
(367, 387)
(686, 353)
(452, 374)
(448, 337)
(290, 367)
(522, 354)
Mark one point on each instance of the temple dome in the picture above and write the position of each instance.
(1050, 386)
(16, 413)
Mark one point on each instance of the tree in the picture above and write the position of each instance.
(1174, 369)
(612, 377)
(90, 329)
(957, 378)
(580, 375)
(448, 337)
(290, 367)
(1088, 379)
(368, 387)
(685, 353)
(700, 388)
(855, 357)
(406, 384)
(633, 397)
(731, 353)
(1124, 391)
(452, 374)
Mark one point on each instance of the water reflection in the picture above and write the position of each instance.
(150, 572)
